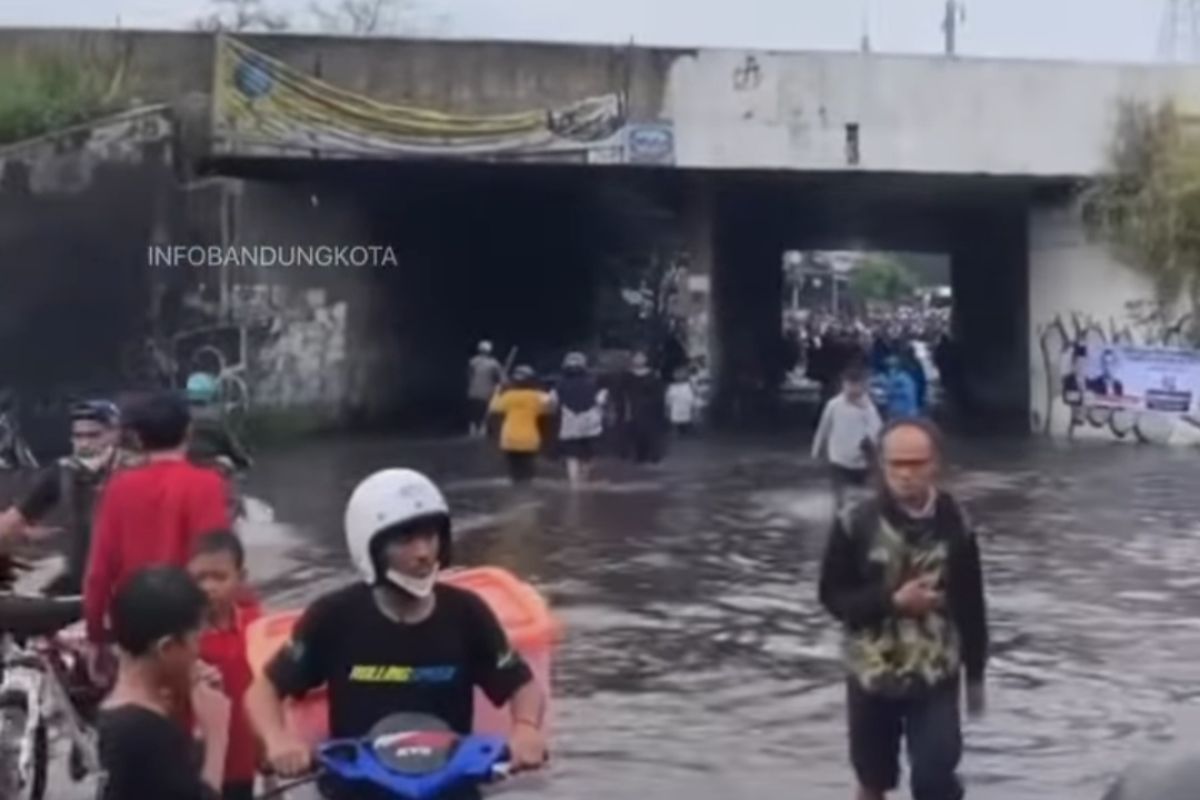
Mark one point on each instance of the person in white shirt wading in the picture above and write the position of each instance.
(848, 433)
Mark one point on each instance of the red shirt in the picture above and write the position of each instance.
(225, 649)
(148, 515)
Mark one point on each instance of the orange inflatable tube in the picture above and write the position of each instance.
(531, 628)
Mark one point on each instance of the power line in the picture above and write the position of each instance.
(1179, 37)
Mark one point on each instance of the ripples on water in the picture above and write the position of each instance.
(698, 663)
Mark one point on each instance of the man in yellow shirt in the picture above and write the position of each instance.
(522, 404)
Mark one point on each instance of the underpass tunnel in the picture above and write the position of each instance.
(523, 257)
(980, 223)
(527, 257)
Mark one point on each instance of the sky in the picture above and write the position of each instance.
(1095, 30)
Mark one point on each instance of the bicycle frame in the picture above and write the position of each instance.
(32, 676)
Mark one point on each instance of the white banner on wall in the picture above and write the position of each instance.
(1139, 378)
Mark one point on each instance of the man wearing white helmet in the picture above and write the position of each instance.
(484, 376)
(399, 641)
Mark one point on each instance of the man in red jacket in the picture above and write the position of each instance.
(151, 514)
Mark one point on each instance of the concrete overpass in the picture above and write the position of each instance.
(747, 153)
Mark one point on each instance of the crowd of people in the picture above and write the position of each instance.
(150, 543)
(578, 411)
(167, 597)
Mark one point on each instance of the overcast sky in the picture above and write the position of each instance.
(1106, 30)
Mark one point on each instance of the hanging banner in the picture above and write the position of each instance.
(264, 107)
(1136, 378)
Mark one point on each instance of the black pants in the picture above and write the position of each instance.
(238, 791)
(645, 445)
(522, 467)
(932, 727)
(844, 478)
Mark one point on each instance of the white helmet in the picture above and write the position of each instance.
(485, 347)
(385, 500)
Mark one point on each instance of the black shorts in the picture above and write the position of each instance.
(578, 449)
(930, 723)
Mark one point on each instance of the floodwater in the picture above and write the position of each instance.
(697, 662)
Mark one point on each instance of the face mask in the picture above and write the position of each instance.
(417, 587)
(95, 461)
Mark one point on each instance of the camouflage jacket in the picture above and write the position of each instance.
(873, 550)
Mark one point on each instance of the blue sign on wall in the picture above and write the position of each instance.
(652, 143)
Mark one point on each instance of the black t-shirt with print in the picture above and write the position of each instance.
(374, 666)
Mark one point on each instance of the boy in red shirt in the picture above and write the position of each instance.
(151, 514)
(218, 566)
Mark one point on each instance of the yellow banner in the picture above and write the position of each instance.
(262, 106)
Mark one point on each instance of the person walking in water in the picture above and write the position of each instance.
(644, 401)
(682, 403)
(484, 375)
(847, 435)
(580, 402)
(902, 573)
(522, 404)
(899, 390)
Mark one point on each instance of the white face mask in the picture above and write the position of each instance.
(417, 587)
(96, 461)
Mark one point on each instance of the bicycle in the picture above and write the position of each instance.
(44, 685)
(233, 394)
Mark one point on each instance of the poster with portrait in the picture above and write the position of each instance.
(1160, 379)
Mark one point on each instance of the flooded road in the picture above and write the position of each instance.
(697, 662)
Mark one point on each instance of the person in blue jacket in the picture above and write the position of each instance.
(899, 391)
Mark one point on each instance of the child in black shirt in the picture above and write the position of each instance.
(399, 641)
(144, 752)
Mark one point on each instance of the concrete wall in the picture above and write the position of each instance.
(306, 345)
(791, 111)
(729, 109)
(1080, 294)
(76, 214)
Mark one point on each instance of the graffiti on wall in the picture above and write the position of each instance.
(279, 347)
(1073, 351)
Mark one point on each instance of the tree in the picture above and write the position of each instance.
(882, 278)
(43, 94)
(367, 17)
(1147, 206)
(243, 16)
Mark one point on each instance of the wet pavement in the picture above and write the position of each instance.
(697, 663)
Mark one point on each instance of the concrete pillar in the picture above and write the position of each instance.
(747, 286)
(990, 282)
(700, 237)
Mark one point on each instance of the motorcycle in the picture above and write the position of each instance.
(405, 757)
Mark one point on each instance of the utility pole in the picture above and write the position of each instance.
(956, 14)
(865, 41)
(1179, 37)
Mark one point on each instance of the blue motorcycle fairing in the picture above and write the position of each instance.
(473, 761)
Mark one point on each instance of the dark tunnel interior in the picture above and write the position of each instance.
(530, 257)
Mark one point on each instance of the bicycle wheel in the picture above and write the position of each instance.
(12, 731)
(234, 397)
(207, 359)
